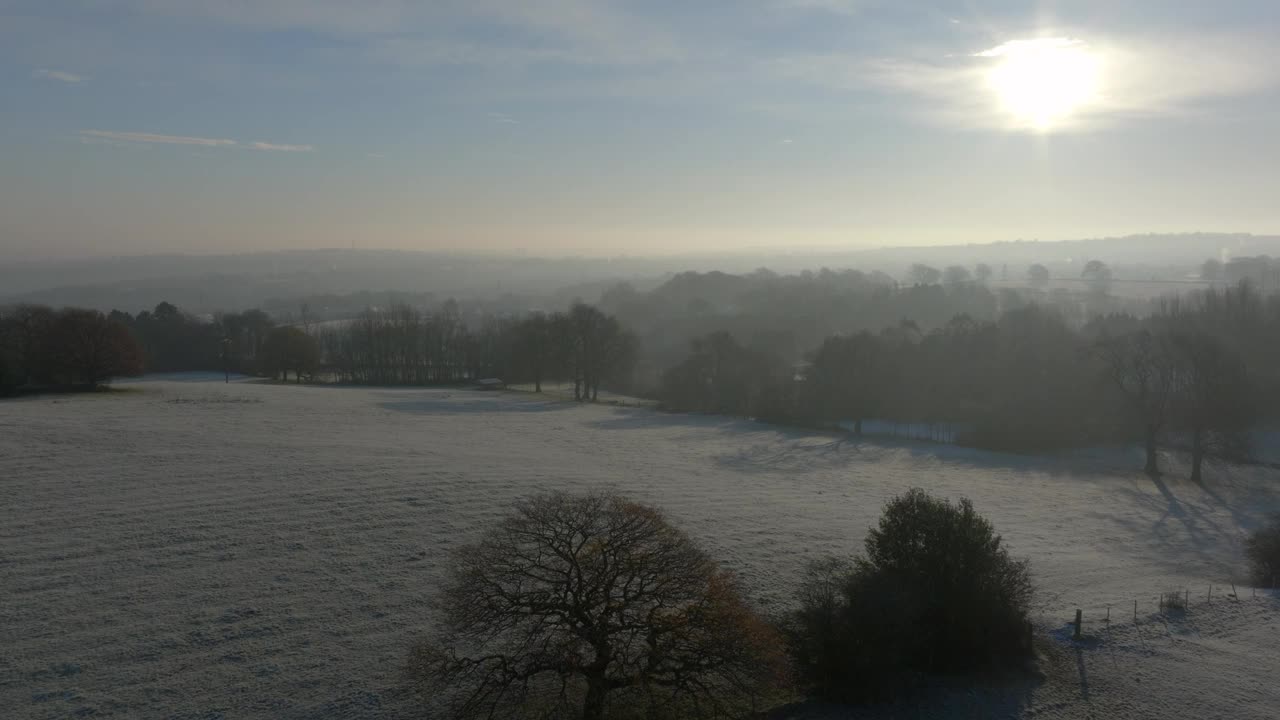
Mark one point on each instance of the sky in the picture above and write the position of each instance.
(631, 127)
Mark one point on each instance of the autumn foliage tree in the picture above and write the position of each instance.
(84, 347)
(592, 606)
(66, 348)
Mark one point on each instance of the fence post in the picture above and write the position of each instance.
(1135, 611)
(1079, 616)
(1188, 603)
(1209, 598)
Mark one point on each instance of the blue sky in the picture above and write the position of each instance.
(629, 127)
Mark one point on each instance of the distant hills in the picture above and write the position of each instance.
(231, 282)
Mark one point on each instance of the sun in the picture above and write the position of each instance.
(1045, 83)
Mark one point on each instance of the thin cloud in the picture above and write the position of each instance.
(503, 118)
(1139, 79)
(60, 76)
(158, 139)
(274, 147)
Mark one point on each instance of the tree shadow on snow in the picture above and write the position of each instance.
(1179, 516)
(1005, 697)
(791, 450)
(645, 418)
(201, 377)
(460, 403)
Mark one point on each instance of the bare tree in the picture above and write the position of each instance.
(598, 348)
(982, 272)
(922, 274)
(535, 347)
(1143, 368)
(956, 275)
(577, 604)
(1214, 400)
(847, 378)
(27, 328)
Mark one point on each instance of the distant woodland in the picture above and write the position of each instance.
(1017, 366)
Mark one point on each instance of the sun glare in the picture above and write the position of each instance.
(1043, 84)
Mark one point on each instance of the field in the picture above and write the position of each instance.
(189, 549)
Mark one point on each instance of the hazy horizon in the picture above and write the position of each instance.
(1250, 243)
(609, 128)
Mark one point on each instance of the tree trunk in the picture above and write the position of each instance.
(595, 391)
(593, 704)
(1197, 454)
(537, 384)
(857, 426)
(1152, 467)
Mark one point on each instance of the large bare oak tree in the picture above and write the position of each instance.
(593, 606)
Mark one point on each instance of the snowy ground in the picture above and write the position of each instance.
(190, 549)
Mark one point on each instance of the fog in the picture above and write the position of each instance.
(210, 283)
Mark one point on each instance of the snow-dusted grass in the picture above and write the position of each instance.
(253, 550)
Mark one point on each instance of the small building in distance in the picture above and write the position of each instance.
(490, 384)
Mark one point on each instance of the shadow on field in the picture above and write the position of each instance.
(1010, 698)
(787, 448)
(642, 418)
(451, 404)
(796, 450)
(189, 377)
(1179, 513)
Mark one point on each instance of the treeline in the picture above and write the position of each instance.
(790, 315)
(174, 341)
(1196, 374)
(1261, 271)
(406, 346)
(399, 345)
(42, 349)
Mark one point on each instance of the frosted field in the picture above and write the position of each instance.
(197, 550)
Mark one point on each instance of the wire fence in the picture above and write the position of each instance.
(1174, 601)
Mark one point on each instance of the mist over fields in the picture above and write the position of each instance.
(280, 280)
